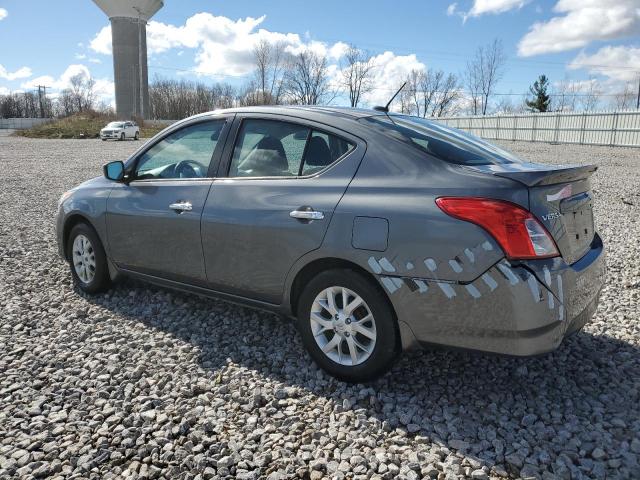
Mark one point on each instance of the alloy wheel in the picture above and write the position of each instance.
(343, 326)
(84, 259)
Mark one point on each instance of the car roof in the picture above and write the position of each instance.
(303, 111)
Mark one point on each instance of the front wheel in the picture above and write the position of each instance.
(136, 136)
(122, 137)
(348, 326)
(87, 259)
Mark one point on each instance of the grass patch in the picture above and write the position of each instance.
(82, 125)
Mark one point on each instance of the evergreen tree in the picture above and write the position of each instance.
(541, 99)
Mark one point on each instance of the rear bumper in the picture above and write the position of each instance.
(521, 309)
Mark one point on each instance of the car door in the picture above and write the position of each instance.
(153, 219)
(284, 178)
(127, 130)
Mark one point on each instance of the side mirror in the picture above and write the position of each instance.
(114, 171)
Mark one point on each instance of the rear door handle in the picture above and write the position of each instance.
(181, 207)
(306, 213)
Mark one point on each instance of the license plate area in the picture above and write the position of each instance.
(578, 219)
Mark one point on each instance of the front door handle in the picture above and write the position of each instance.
(306, 213)
(181, 207)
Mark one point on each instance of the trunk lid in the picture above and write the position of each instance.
(560, 197)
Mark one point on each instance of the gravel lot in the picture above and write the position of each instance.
(148, 383)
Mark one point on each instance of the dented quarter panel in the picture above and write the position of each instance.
(423, 241)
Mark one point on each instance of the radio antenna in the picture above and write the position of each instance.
(385, 109)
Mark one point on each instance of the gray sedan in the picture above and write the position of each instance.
(377, 231)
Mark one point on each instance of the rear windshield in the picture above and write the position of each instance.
(445, 143)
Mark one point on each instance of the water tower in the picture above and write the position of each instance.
(129, 45)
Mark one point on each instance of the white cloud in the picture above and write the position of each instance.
(223, 46)
(46, 80)
(481, 7)
(389, 73)
(104, 88)
(4, 91)
(3, 13)
(22, 72)
(484, 7)
(101, 43)
(619, 63)
(80, 56)
(581, 22)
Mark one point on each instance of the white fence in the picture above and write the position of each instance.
(22, 123)
(590, 128)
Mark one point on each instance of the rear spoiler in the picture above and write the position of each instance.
(535, 174)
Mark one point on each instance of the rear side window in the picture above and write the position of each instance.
(445, 143)
(323, 149)
(272, 148)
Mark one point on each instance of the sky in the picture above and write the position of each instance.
(46, 43)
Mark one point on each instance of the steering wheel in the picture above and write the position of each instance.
(189, 169)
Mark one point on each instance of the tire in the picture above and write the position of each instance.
(122, 137)
(104, 139)
(92, 278)
(136, 136)
(378, 353)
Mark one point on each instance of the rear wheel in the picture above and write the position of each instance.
(87, 259)
(348, 326)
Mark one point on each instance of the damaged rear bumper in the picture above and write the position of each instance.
(519, 308)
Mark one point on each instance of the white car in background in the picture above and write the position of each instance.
(120, 131)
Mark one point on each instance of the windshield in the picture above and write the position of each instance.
(445, 143)
(115, 125)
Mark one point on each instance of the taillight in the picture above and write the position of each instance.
(519, 233)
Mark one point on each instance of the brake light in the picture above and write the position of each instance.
(520, 235)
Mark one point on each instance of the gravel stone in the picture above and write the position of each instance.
(143, 382)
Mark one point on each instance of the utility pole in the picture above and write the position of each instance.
(42, 98)
(638, 99)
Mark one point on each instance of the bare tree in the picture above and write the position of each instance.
(432, 93)
(422, 88)
(591, 96)
(172, 99)
(564, 96)
(23, 105)
(484, 71)
(82, 92)
(270, 65)
(447, 97)
(357, 74)
(625, 98)
(307, 79)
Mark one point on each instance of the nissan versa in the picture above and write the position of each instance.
(377, 231)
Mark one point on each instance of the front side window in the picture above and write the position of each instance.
(445, 143)
(185, 153)
(271, 148)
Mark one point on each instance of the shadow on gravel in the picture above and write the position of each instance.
(555, 412)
